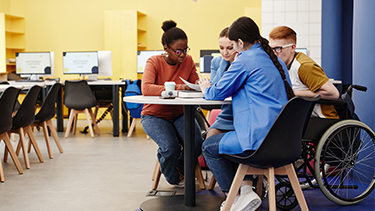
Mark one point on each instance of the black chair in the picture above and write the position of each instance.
(22, 121)
(7, 101)
(276, 155)
(79, 98)
(44, 116)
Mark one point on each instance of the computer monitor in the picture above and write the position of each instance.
(205, 59)
(35, 64)
(84, 63)
(142, 58)
(105, 63)
(303, 50)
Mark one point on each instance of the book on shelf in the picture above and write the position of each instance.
(189, 93)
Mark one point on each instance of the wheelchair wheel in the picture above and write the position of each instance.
(348, 149)
(285, 197)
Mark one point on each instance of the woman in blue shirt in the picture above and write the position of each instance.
(259, 85)
(224, 121)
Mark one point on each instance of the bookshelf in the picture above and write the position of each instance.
(125, 33)
(12, 37)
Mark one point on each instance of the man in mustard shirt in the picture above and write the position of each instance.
(308, 78)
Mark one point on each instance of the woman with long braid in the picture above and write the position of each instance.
(260, 87)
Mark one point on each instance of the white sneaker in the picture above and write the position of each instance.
(180, 184)
(247, 201)
(223, 203)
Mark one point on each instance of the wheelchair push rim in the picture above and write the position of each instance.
(348, 148)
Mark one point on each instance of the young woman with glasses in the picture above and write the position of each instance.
(165, 123)
(259, 85)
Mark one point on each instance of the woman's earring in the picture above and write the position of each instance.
(166, 54)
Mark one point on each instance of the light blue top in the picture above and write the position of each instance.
(224, 121)
(258, 95)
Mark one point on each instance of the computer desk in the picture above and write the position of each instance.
(59, 107)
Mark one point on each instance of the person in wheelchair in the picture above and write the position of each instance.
(308, 78)
(259, 84)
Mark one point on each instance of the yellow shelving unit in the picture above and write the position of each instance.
(12, 40)
(125, 33)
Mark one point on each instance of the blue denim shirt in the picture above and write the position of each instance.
(258, 95)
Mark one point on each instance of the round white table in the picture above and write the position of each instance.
(174, 203)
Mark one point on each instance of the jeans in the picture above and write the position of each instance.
(223, 169)
(168, 135)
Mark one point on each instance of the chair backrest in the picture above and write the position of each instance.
(78, 95)
(47, 111)
(7, 102)
(26, 113)
(282, 145)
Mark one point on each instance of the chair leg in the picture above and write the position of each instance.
(75, 122)
(156, 169)
(46, 137)
(199, 176)
(2, 179)
(70, 121)
(89, 122)
(132, 127)
(10, 149)
(34, 143)
(271, 190)
(236, 184)
(23, 146)
(156, 176)
(54, 134)
(94, 121)
(296, 186)
(212, 184)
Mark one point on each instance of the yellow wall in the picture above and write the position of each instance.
(71, 25)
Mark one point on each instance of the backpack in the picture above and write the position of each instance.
(133, 88)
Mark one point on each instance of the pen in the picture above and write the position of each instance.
(200, 74)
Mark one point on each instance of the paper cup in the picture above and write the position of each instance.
(170, 85)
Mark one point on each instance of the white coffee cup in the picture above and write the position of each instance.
(170, 85)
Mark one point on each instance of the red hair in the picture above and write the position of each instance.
(283, 32)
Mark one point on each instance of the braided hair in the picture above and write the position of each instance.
(245, 28)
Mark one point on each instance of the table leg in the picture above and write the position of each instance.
(189, 151)
(59, 112)
(116, 113)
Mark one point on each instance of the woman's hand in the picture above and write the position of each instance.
(203, 84)
(184, 87)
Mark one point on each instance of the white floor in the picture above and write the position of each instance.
(101, 173)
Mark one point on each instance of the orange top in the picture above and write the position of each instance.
(158, 71)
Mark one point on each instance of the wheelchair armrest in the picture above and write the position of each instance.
(337, 102)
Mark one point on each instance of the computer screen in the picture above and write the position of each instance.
(82, 63)
(35, 63)
(303, 50)
(105, 63)
(142, 58)
(205, 59)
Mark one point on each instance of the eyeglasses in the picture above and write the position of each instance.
(178, 52)
(279, 49)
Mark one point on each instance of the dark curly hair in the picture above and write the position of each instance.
(171, 33)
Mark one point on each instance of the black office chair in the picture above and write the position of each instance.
(44, 116)
(7, 101)
(276, 155)
(22, 121)
(79, 98)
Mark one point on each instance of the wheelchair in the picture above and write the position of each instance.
(337, 156)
